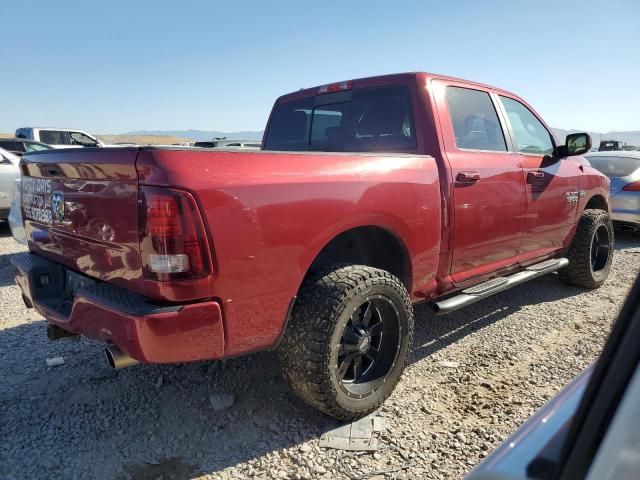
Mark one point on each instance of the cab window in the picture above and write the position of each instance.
(531, 135)
(52, 137)
(474, 120)
(78, 138)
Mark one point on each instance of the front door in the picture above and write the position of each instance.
(552, 191)
(488, 186)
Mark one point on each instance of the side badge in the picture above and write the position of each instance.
(57, 206)
(572, 197)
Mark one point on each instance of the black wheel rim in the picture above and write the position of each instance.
(368, 347)
(600, 246)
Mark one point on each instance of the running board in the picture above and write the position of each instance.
(495, 285)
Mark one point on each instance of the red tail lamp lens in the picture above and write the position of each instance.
(173, 242)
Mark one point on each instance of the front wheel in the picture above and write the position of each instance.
(590, 252)
(348, 340)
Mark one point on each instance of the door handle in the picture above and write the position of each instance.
(534, 176)
(467, 177)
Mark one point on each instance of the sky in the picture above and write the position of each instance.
(123, 65)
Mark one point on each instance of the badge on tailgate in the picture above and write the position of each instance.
(39, 202)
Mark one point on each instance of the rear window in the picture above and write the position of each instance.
(366, 120)
(615, 166)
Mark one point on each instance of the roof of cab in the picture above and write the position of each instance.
(391, 79)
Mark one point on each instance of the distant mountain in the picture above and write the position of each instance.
(199, 135)
(629, 138)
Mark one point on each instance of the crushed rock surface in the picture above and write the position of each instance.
(474, 376)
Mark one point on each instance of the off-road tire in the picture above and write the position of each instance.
(310, 348)
(580, 271)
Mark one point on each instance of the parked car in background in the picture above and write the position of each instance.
(623, 169)
(59, 137)
(244, 144)
(590, 429)
(9, 172)
(610, 145)
(369, 195)
(15, 215)
(20, 146)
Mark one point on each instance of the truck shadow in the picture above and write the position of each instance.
(5, 230)
(157, 420)
(627, 240)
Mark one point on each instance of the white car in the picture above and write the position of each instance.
(59, 137)
(9, 175)
(15, 216)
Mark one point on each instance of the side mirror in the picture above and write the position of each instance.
(576, 144)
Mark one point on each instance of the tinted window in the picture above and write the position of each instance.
(615, 166)
(372, 119)
(531, 134)
(52, 137)
(326, 123)
(12, 145)
(475, 121)
(289, 126)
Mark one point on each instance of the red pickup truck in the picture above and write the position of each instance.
(368, 196)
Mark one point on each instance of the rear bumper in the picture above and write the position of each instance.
(143, 330)
(625, 207)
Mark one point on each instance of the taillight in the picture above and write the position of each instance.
(173, 242)
(632, 187)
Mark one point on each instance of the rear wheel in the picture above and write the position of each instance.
(348, 340)
(590, 252)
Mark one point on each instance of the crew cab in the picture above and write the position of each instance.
(368, 196)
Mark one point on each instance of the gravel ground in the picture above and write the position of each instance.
(503, 359)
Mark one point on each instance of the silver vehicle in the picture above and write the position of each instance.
(9, 173)
(59, 137)
(623, 168)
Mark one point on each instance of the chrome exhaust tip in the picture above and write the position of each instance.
(117, 358)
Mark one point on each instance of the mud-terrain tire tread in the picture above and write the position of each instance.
(578, 273)
(305, 350)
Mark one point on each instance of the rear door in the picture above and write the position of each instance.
(488, 191)
(552, 191)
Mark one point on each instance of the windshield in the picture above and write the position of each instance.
(613, 166)
(366, 120)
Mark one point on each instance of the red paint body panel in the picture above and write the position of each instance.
(268, 226)
(269, 214)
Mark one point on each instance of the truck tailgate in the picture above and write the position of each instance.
(80, 209)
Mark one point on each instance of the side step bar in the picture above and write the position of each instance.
(495, 285)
